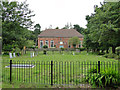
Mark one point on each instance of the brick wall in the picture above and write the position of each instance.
(57, 42)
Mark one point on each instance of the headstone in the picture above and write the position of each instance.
(14, 54)
(10, 54)
(73, 53)
(77, 50)
(33, 54)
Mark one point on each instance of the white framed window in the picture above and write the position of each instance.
(41, 43)
(52, 43)
(47, 43)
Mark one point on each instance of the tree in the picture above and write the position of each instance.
(37, 29)
(74, 41)
(29, 43)
(68, 26)
(16, 19)
(36, 33)
(78, 28)
(103, 27)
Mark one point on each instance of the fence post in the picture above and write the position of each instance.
(51, 73)
(98, 66)
(10, 71)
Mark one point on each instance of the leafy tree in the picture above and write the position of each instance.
(29, 43)
(57, 28)
(74, 41)
(78, 28)
(37, 29)
(103, 27)
(36, 33)
(16, 18)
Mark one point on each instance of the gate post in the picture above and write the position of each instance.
(51, 73)
(98, 66)
(10, 71)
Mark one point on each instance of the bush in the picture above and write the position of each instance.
(110, 55)
(117, 57)
(118, 50)
(105, 78)
(6, 53)
(106, 55)
(62, 49)
(36, 47)
(45, 46)
(81, 49)
(8, 48)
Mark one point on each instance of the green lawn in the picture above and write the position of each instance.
(71, 70)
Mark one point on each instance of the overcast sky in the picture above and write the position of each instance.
(60, 12)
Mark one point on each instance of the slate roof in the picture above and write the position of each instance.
(67, 33)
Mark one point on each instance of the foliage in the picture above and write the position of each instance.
(8, 48)
(81, 49)
(110, 55)
(16, 19)
(29, 43)
(103, 28)
(78, 28)
(62, 49)
(74, 41)
(105, 78)
(17, 50)
(36, 32)
(45, 46)
(118, 50)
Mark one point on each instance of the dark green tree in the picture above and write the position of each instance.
(103, 27)
(16, 19)
(74, 41)
(78, 28)
(36, 32)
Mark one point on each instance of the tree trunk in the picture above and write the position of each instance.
(107, 51)
(102, 51)
(113, 49)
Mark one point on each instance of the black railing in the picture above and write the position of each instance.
(53, 72)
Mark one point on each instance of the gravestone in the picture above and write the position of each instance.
(14, 54)
(33, 54)
(73, 53)
(77, 50)
(10, 54)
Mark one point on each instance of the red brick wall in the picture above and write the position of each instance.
(56, 41)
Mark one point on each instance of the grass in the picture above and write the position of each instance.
(71, 73)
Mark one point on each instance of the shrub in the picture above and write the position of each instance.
(117, 57)
(62, 49)
(105, 78)
(45, 46)
(44, 51)
(8, 48)
(111, 55)
(106, 55)
(81, 49)
(118, 50)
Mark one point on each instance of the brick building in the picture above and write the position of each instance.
(58, 38)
